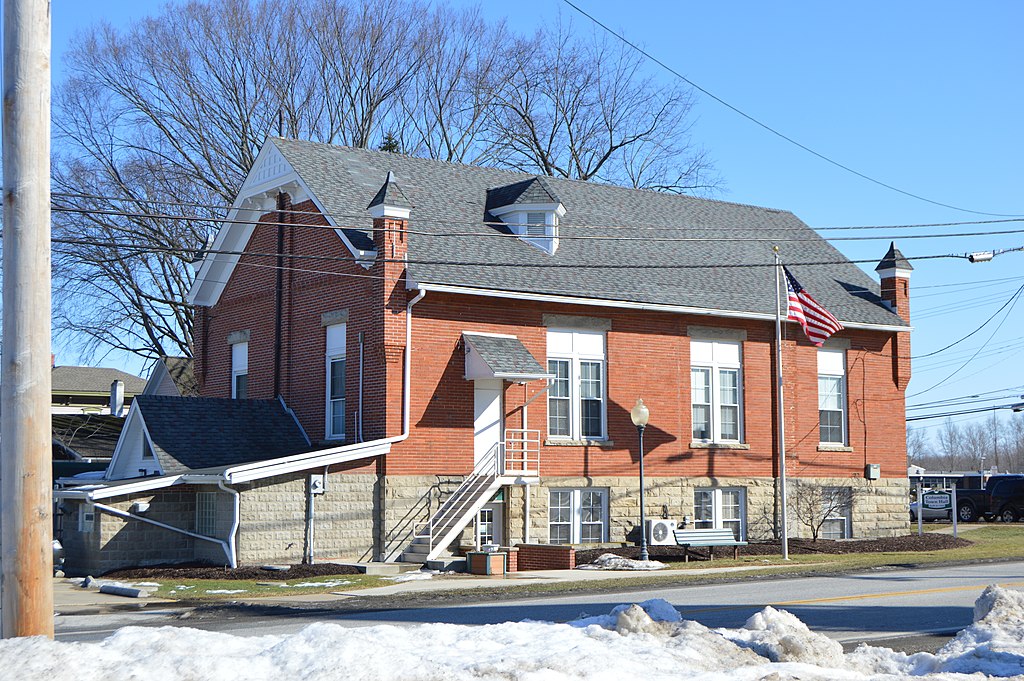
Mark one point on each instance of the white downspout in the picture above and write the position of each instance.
(359, 413)
(131, 516)
(236, 515)
(407, 377)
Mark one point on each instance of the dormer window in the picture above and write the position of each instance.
(531, 211)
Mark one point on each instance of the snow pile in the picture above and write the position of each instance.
(416, 576)
(648, 640)
(325, 583)
(781, 637)
(995, 642)
(609, 561)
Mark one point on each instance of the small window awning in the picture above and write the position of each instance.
(500, 356)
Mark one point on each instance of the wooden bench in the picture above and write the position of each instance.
(709, 538)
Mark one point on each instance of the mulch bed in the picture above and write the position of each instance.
(928, 542)
(247, 572)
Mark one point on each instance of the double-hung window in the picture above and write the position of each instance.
(240, 371)
(577, 516)
(206, 513)
(832, 397)
(720, 508)
(836, 502)
(576, 398)
(336, 381)
(716, 390)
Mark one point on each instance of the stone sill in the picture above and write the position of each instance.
(719, 445)
(834, 448)
(604, 444)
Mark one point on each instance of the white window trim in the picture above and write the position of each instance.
(717, 495)
(575, 359)
(844, 515)
(239, 368)
(832, 364)
(337, 352)
(714, 367)
(576, 509)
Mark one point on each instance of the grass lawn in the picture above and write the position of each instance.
(227, 589)
(995, 541)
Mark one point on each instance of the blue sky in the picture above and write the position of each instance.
(923, 96)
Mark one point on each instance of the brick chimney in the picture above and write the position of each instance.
(390, 210)
(894, 272)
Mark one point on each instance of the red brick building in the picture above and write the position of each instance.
(499, 327)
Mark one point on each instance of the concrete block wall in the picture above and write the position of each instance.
(117, 542)
(272, 526)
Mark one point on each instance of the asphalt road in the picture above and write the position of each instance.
(907, 609)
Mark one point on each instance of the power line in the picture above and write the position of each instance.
(1009, 300)
(775, 132)
(338, 216)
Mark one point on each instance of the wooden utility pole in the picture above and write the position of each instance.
(26, 495)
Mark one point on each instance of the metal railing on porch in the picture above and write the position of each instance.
(517, 457)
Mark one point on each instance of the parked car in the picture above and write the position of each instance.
(58, 556)
(1008, 500)
(972, 504)
(929, 513)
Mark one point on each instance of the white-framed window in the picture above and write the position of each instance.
(576, 399)
(335, 381)
(716, 387)
(577, 516)
(206, 513)
(832, 396)
(721, 508)
(240, 371)
(837, 509)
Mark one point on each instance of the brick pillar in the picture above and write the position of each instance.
(390, 210)
(894, 273)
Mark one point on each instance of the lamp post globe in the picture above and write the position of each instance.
(640, 415)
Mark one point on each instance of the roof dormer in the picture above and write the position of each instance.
(530, 209)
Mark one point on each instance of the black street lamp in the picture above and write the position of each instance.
(640, 414)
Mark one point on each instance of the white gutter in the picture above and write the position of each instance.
(131, 516)
(236, 519)
(652, 307)
(259, 469)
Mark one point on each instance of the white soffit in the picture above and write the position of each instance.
(269, 174)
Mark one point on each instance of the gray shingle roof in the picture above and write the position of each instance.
(893, 259)
(453, 199)
(390, 194)
(533, 190)
(193, 433)
(69, 379)
(88, 435)
(506, 356)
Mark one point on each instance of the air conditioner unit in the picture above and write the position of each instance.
(660, 532)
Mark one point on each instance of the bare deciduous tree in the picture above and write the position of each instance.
(175, 109)
(814, 505)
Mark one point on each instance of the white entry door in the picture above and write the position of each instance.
(487, 413)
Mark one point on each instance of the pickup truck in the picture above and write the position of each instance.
(989, 502)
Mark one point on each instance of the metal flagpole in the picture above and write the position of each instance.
(782, 412)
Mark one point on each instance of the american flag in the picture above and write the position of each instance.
(818, 322)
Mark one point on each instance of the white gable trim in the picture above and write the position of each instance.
(131, 452)
(270, 174)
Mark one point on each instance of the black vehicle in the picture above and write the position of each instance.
(972, 504)
(1008, 500)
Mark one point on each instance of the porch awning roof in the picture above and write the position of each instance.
(500, 356)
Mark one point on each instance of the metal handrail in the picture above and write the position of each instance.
(522, 452)
(488, 467)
